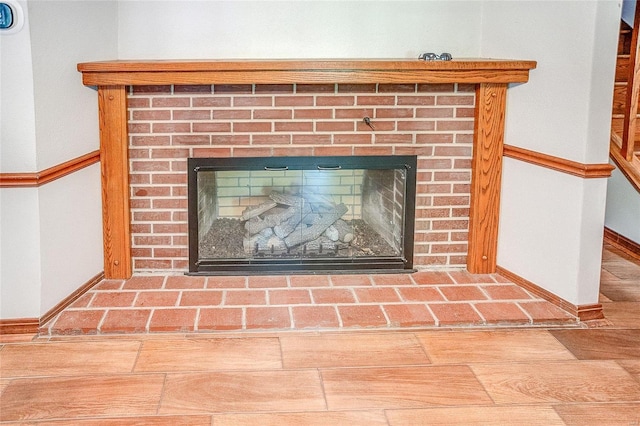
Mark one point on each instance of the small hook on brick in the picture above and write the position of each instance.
(367, 121)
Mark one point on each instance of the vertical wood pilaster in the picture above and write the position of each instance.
(486, 177)
(630, 121)
(114, 161)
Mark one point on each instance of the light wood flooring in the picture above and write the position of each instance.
(519, 376)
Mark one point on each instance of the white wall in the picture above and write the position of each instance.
(19, 226)
(51, 235)
(64, 33)
(67, 127)
(17, 109)
(19, 253)
(623, 207)
(70, 234)
(548, 233)
(565, 108)
(573, 42)
(551, 223)
(297, 29)
(628, 11)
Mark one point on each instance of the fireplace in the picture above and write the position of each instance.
(289, 214)
(471, 220)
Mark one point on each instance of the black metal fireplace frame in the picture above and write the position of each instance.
(303, 265)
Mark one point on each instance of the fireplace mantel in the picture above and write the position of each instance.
(304, 71)
(491, 77)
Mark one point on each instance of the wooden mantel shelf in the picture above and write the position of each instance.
(491, 77)
(304, 71)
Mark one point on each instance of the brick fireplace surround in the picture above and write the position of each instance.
(167, 124)
(156, 114)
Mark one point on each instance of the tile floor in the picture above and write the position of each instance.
(461, 376)
(179, 303)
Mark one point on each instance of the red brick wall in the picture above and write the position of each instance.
(168, 124)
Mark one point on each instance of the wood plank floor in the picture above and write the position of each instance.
(516, 376)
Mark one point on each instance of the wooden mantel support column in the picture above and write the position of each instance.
(114, 167)
(486, 177)
(491, 76)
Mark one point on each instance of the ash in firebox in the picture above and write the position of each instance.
(225, 240)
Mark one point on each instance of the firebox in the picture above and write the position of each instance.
(257, 215)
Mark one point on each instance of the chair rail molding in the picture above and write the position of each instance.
(22, 180)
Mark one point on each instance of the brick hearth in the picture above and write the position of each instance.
(178, 303)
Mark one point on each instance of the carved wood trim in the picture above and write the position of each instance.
(586, 171)
(22, 180)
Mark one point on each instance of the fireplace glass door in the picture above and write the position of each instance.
(297, 214)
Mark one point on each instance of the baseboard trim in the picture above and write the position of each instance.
(67, 301)
(583, 312)
(19, 326)
(622, 243)
(32, 325)
(590, 312)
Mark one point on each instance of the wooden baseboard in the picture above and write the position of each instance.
(67, 301)
(583, 312)
(622, 243)
(590, 312)
(32, 325)
(19, 326)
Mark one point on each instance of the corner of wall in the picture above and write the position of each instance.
(20, 279)
(49, 118)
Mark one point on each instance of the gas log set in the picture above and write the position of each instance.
(292, 223)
